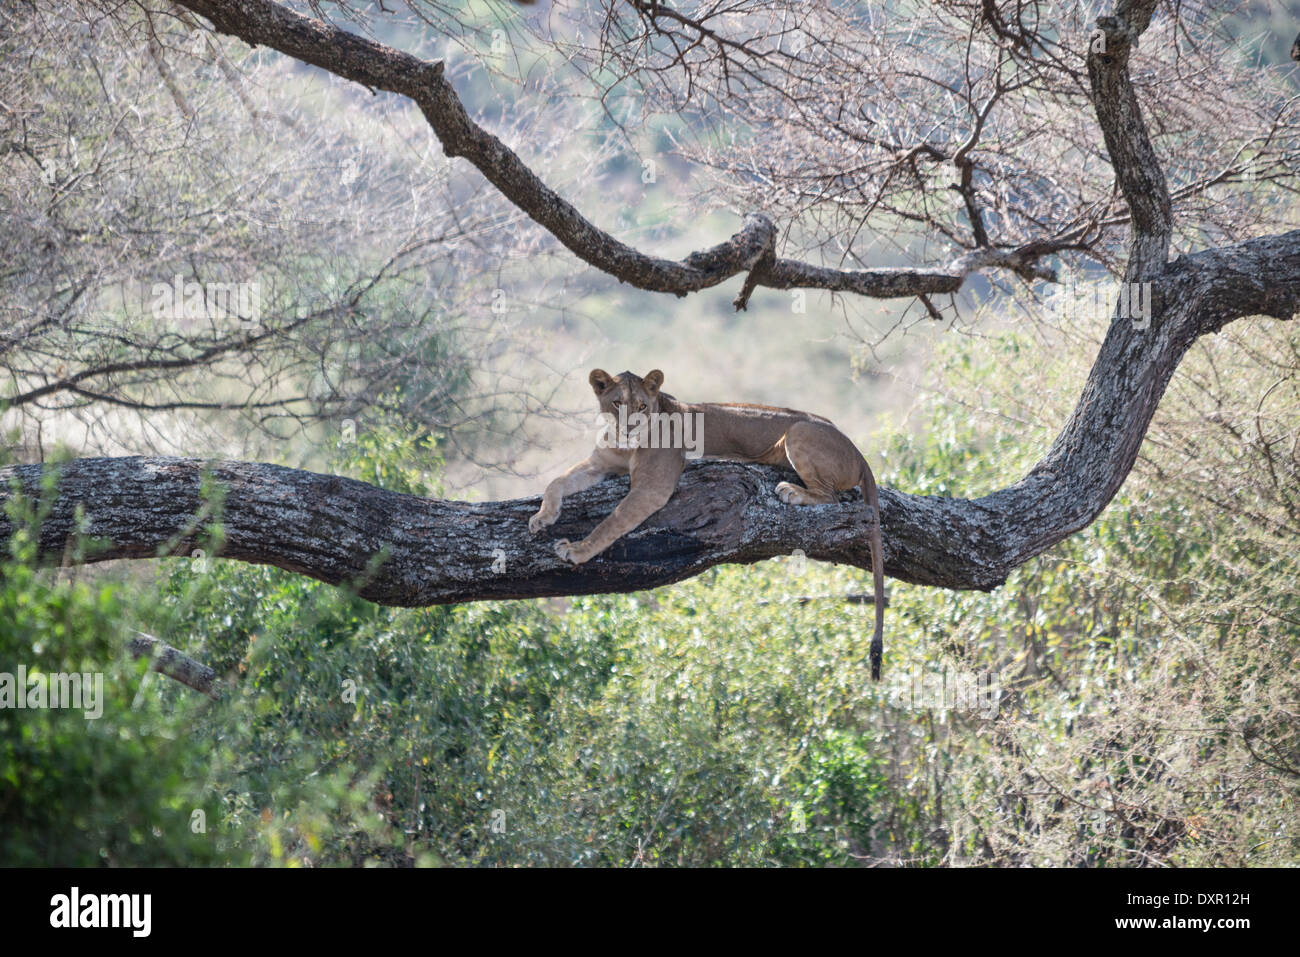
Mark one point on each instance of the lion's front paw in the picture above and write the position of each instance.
(571, 552)
(540, 519)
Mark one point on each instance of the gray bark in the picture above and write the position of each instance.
(175, 664)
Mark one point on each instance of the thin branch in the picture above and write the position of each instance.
(177, 665)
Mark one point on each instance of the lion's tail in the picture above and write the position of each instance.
(870, 493)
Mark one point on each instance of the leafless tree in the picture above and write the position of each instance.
(197, 260)
(995, 138)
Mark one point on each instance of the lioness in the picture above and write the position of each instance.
(825, 459)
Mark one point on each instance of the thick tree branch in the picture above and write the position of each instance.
(1260, 277)
(379, 67)
(1137, 168)
(402, 550)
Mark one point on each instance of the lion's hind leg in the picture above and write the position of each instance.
(815, 451)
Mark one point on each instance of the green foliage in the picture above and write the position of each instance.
(400, 458)
(1136, 686)
(113, 781)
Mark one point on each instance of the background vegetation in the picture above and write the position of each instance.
(1131, 698)
(1141, 678)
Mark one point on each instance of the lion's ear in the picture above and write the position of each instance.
(600, 380)
(652, 381)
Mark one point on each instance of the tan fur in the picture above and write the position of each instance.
(827, 463)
